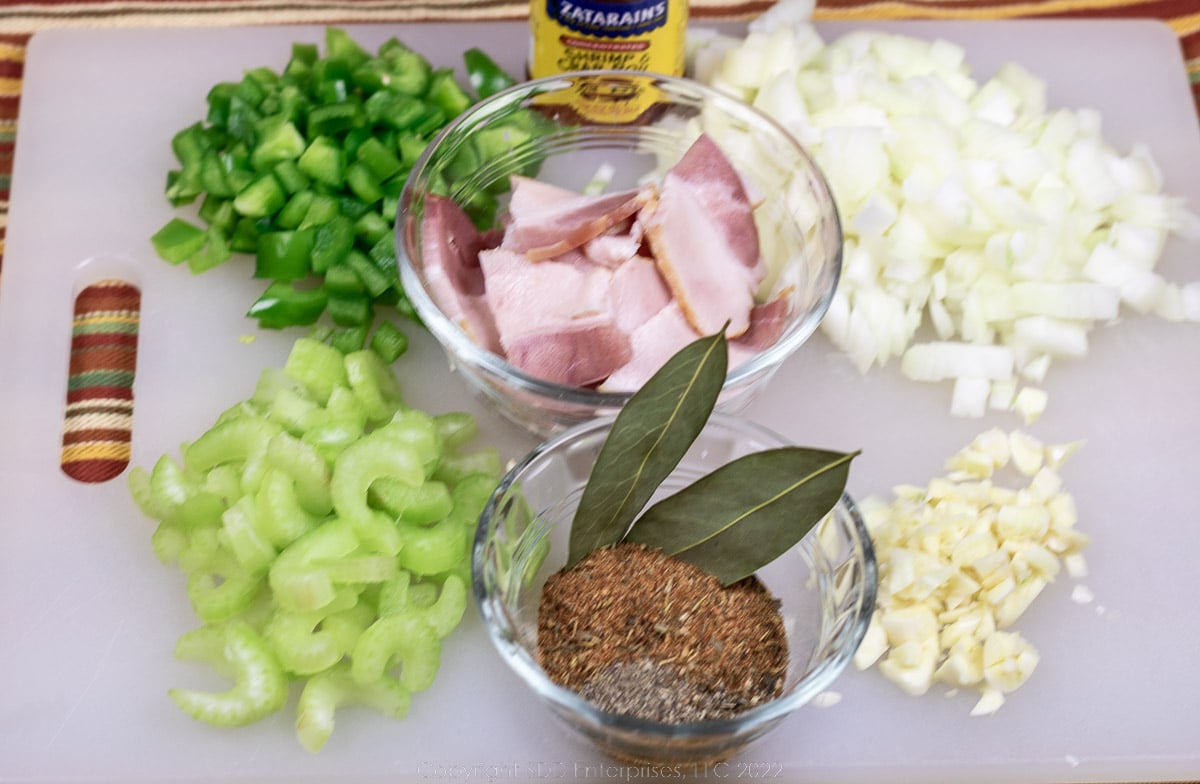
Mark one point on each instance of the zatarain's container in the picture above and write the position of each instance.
(615, 35)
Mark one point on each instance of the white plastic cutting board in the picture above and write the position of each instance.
(88, 617)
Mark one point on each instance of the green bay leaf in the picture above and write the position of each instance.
(647, 440)
(747, 513)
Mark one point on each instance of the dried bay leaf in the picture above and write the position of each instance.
(648, 438)
(747, 513)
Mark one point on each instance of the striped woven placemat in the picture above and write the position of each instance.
(98, 421)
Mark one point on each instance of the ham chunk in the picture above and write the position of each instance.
(554, 317)
(533, 297)
(637, 292)
(706, 277)
(547, 221)
(723, 196)
(651, 345)
(450, 247)
(579, 354)
(767, 322)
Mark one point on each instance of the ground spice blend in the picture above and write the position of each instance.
(640, 633)
(612, 35)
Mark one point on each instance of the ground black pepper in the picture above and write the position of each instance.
(641, 633)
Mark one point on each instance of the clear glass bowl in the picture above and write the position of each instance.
(798, 221)
(826, 584)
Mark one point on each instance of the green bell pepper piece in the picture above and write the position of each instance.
(363, 183)
(284, 255)
(373, 279)
(446, 94)
(322, 210)
(389, 342)
(332, 243)
(323, 162)
(371, 226)
(350, 310)
(279, 140)
(294, 211)
(349, 339)
(340, 46)
(341, 279)
(333, 118)
(409, 73)
(290, 177)
(283, 305)
(381, 161)
(216, 251)
(485, 76)
(218, 213)
(262, 197)
(177, 240)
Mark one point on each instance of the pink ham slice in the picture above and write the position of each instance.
(579, 355)
(767, 322)
(450, 247)
(547, 221)
(651, 344)
(554, 317)
(704, 273)
(637, 292)
(724, 197)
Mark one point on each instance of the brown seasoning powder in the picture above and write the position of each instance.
(630, 610)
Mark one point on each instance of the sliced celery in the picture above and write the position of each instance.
(325, 531)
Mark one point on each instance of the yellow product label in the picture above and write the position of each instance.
(617, 35)
(616, 100)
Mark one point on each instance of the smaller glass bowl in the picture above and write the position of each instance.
(826, 585)
(638, 124)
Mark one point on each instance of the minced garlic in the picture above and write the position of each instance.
(961, 559)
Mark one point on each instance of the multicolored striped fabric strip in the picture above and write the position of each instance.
(19, 20)
(98, 424)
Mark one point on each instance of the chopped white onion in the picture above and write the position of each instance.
(970, 205)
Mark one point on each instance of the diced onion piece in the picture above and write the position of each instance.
(970, 397)
(941, 360)
(1052, 336)
(1004, 391)
(1189, 295)
(1085, 301)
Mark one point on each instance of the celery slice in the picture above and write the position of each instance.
(260, 686)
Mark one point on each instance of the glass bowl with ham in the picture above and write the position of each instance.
(563, 238)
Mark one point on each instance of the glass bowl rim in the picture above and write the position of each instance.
(562, 699)
(468, 351)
